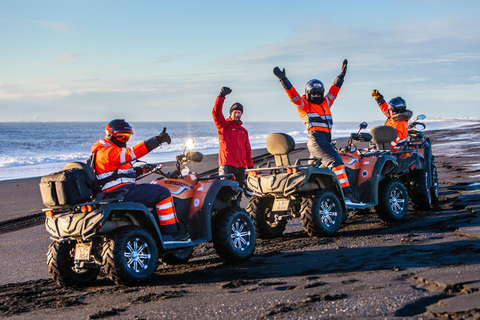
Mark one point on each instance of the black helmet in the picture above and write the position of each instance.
(314, 89)
(397, 105)
(119, 130)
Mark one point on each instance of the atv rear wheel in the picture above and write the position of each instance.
(60, 262)
(392, 201)
(179, 256)
(130, 256)
(234, 235)
(260, 209)
(321, 214)
(419, 191)
(434, 187)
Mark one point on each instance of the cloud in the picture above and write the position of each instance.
(57, 26)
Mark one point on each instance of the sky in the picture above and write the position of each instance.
(156, 60)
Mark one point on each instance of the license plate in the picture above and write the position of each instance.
(280, 205)
(82, 251)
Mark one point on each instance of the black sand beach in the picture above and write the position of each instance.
(425, 267)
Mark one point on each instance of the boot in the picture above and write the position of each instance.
(180, 236)
(348, 193)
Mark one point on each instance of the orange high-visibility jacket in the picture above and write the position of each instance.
(316, 117)
(234, 146)
(113, 167)
(401, 126)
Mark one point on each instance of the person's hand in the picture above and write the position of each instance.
(164, 137)
(344, 67)
(280, 74)
(375, 93)
(225, 91)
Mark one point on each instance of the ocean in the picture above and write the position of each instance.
(33, 149)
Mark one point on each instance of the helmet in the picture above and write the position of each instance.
(119, 130)
(314, 89)
(397, 105)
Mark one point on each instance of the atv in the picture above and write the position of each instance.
(124, 239)
(416, 166)
(310, 191)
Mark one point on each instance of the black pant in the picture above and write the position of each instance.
(239, 173)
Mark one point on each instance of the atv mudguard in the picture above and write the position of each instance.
(415, 160)
(384, 166)
(218, 197)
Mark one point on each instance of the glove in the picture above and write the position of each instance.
(144, 169)
(344, 67)
(280, 74)
(164, 137)
(224, 91)
(375, 93)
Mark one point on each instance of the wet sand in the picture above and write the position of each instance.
(425, 267)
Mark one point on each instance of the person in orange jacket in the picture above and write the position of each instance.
(397, 116)
(115, 172)
(235, 153)
(314, 109)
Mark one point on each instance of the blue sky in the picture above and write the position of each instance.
(167, 60)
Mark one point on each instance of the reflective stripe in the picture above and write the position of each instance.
(164, 206)
(132, 154)
(123, 156)
(116, 182)
(109, 173)
(298, 105)
(342, 181)
(330, 98)
(169, 222)
(167, 217)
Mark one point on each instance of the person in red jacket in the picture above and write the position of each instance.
(235, 154)
(115, 172)
(397, 116)
(314, 109)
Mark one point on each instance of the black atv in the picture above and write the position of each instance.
(416, 166)
(124, 239)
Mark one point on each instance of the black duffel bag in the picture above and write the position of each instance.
(66, 188)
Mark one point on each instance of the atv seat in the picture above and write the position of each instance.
(280, 145)
(383, 136)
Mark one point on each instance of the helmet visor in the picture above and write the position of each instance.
(123, 136)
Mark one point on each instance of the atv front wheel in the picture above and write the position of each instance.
(60, 262)
(267, 227)
(130, 256)
(178, 256)
(434, 176)
(392, 201)
(234, 235)
(321, 214)
(419, 191)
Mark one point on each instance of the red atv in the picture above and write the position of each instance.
(124, 238)
(311, 192)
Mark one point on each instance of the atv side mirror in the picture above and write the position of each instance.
(363, 125)
(194, 156)
(421, 117)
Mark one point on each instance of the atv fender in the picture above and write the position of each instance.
(136, 212)
(415, 160)
(385, 165)
(218, 197)
(323, 178)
